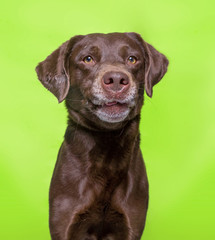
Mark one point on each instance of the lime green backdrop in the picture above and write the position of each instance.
(178, 123)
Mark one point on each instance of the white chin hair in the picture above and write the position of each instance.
(112, 118)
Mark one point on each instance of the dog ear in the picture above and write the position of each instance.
(155, 64)
(53, 72)
(155, 67)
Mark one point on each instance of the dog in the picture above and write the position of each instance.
(99, 188)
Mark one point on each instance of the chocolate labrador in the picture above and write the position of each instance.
(99, 188)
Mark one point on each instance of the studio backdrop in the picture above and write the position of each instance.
(177, 123)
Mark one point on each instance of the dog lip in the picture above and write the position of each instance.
(97, 103)
(111, 103)
(113, 108)
(106, 102)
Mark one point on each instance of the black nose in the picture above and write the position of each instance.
(115, 81)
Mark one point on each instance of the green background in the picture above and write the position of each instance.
(178, 123)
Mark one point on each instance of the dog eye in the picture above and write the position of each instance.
(88, 60)
(132, 59)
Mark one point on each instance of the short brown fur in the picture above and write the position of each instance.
(99, 188)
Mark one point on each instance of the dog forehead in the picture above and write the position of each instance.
(112, 41)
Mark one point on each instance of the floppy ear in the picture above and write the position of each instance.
(155, 64)
(53, 72)
(155, 67)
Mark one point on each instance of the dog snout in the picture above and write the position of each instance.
(115, 82)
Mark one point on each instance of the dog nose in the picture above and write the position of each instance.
(115, 82)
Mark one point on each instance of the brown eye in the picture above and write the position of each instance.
(132, 60)
(88, 60)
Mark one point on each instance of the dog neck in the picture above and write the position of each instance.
(104, 153)
(84, 137)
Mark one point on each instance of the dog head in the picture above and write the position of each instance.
(103, 76)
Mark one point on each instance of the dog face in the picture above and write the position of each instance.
(103, 76)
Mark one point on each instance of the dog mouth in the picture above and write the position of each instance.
(113, 108)
(112, 111)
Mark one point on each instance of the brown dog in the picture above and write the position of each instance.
(99, 189)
